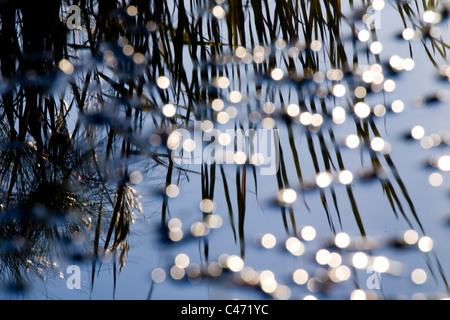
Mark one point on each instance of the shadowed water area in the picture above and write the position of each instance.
(224, 149)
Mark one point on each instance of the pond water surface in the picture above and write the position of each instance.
(358, 208)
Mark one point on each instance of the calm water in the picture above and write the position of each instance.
(95, 188)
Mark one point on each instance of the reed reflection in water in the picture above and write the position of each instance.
(90, 114)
